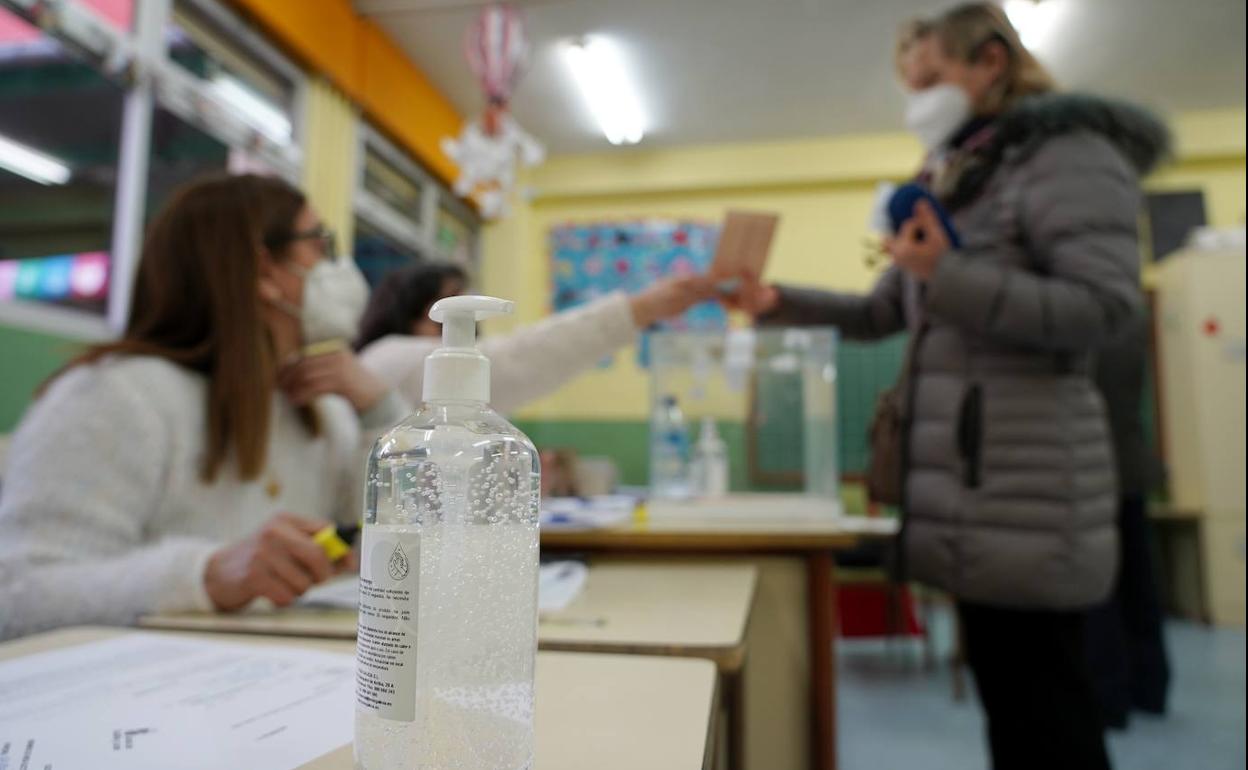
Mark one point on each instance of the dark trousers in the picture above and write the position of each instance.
(1032, 676)
(1125, 646)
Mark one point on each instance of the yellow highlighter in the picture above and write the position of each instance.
(336, 541)
(321, 348)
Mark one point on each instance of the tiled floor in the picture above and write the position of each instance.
(895, 716)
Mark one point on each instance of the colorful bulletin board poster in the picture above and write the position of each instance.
(591, 260)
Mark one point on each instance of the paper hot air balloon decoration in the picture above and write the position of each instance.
(487, 149)
(496, 49)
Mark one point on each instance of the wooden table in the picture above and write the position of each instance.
(683, 609)
(791, 539)
(608, 712)
(686, 609)
(679, 608)
(790, 710)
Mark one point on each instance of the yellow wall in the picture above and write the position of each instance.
(823, 189)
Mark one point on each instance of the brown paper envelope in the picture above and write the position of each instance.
(744, 243)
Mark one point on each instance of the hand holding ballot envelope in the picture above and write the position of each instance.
(669, 297)
(919, 234)
(740, 256)
(740, 259)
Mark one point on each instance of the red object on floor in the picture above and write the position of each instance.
(863, 611)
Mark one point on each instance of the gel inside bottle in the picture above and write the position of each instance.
(448, 573)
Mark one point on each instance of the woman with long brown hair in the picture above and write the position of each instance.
(1008, 480)
(188, 464)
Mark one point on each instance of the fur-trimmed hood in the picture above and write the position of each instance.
(1139, 135)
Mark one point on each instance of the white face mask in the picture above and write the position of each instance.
(334, 297)
(933, 114)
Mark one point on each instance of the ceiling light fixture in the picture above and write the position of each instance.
(600, 74)
(1034, 20)
(258, 113)
(32, 164)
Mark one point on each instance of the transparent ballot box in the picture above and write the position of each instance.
(743, 410)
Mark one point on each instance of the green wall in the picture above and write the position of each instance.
(26, 360)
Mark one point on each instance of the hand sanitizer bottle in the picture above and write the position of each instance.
(448, 573)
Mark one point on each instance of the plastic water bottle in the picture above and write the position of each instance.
(710, 462)
(448, 574)
(669, 451)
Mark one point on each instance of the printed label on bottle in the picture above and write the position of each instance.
(385, 657)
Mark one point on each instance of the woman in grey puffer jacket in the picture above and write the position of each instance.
(1009, 473)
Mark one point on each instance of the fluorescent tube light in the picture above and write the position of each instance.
(599, 71)
(1034, 20)
(32, 164)
(258, 113)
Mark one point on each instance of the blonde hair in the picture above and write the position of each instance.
(909, 33)
(963, 31)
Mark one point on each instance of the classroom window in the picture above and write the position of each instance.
(391, 200)
(456, 234)
(60, 123)
(180, 153)
(116, 13)
(403, 214)
(393, 187)
(377, 253)
(234, 67)
(222, 99)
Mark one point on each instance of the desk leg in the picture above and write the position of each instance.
(821, 594)
(734, 704)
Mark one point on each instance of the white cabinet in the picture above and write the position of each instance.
(1200, 325)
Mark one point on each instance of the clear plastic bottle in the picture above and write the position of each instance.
(448, 574)
(669, 451)
(710, 462)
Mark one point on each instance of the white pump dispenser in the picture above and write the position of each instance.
(457, 371)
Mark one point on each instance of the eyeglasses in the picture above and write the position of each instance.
(320, 234)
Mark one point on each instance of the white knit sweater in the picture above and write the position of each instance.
(103, 515)
(526, 364)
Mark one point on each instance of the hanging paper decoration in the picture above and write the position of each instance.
(496, 48)
(588, 261)
(487, 162)
(486, 150)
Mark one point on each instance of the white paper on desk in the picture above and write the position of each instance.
(558, 583)
(151, 702)
(343, 594)
(587, 513)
